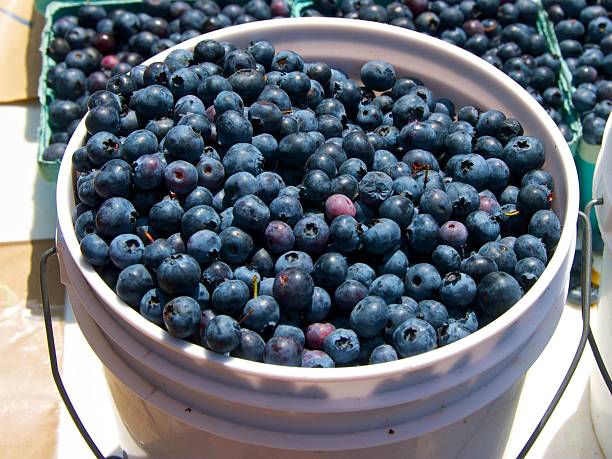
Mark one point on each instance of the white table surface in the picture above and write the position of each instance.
(30, 200)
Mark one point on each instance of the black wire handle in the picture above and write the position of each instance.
(53, 356)
(585, 280)
(586, 336)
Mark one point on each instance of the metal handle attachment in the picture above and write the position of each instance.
(53, 357)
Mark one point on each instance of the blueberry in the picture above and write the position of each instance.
(362, 273)
(183, 143)
(383, 353)
(200, 196)
(295, 149)
(166, 215)
(528, 246)
(382, 236)
(230, 296)
(223, 334)
(482, 227)
(527, 271)
(233, 128)
(342, 346)
(533, 197)
(236, 245)
(102, 147)
(95, 250)
(294, 259)
(281, 350)
(200, 218)
(152, 306)
(388, 286)
(251, 346)
(115, 216)
(178, 275)
(152, 102)
(398, 313)
(315, 187)
(132, 284)
(522, 154)
(503, 256)
(311, 234)
(394, 263)
(316, 359)
(423, 234)
(497, 292)
(446, 259)
(397, 208)
(293, 288)
(414, 336)
(433, 312)
(181, 177)
(330, 270)
(204, 246)
(449, 333)
(251, 213)
(545, 225)
(126, 250)
(320, 306)
(287, 209)
(289, 331)
(356, 145)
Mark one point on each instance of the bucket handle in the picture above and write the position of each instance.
(586, 336)
(53, 357)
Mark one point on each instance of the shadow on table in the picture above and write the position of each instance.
(577, 431)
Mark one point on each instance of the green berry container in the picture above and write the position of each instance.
(53, 11)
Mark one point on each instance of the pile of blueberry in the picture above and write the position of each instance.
(96, 45)
(584, 31)
(280, 211)
(501, 32)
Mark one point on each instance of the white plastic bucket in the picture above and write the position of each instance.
(601, 400)
(175, 399)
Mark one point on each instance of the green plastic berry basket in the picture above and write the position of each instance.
(54, 11)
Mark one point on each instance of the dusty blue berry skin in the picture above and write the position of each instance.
(522, 154)
(182, 316)
(133, 282)
(289, 331)
(398, 313)
(346, 234)
(432, 312)
(261, 313)
(230, 297)
(503, 256)
(293, 288)
(527, 271)
(395, 263)
(311, 234)
(375, 187)
(496, 293)
(383, 353)
(294, 259)
(414, 336)
(449, 333)
(382, 237)
(330, 270)
(126, 250)
(348, 294)
(482, 227)
(422, 282)
(251, 214)
(152, 306)
(527, 245)
(178, 275)
(369, 316)
(457, 290)
(281, 350)
(544, 224)
(95, 250)
(446, 259)
(251, 346)
(316, 359)
(320, 306)
(182, 142)
(115, 216)
(389, 287)
(423, 234)
(342, 345)
(223, 334)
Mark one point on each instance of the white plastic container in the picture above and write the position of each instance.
(175, 399)
(601, 400)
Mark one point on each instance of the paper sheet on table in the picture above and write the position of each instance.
(20, 60)
(29, 402)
